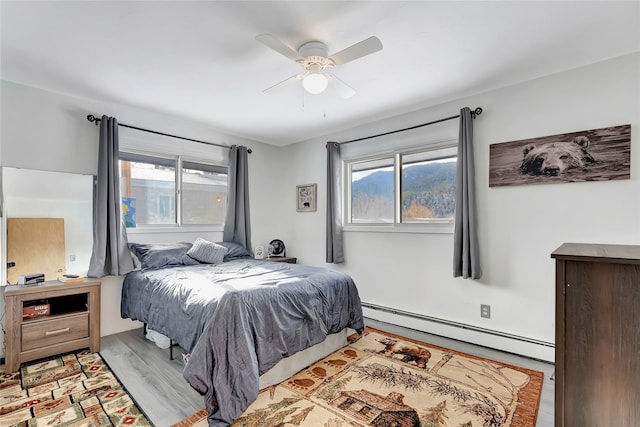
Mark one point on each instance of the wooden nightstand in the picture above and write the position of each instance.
(73, 321)
(287, 259)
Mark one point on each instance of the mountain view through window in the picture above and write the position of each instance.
(428, 192)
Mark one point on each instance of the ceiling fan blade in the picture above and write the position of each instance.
(275, 44)
(344, 90)
(282, 84)
(358, 50)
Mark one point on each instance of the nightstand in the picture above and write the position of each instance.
(287, 259)
(72, 321)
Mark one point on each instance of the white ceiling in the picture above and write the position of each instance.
(200, 59)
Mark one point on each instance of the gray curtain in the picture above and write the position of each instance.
(466, 256)
(1, 196)
(335, 253)
(110, 254)
(237, 224)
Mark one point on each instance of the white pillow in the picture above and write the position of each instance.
(207, 252)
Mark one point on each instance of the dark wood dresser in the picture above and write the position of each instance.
(597, 335)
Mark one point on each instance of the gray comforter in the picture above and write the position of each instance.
(240, 318)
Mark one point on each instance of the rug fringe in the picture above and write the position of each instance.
(188, 422)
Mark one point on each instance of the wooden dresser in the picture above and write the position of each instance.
(597, 335)
(72, 323)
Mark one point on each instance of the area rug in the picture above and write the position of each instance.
(72, 390)
(387, 380)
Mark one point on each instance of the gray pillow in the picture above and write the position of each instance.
(158, 255)
(236, 251)
(206, 251)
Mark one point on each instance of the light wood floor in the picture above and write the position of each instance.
(157, 385)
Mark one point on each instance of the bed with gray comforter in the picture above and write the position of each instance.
(238, 319)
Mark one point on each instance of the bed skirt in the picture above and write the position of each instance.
(288, 366)
(293, 364)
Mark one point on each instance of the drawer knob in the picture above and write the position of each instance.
(57, 331)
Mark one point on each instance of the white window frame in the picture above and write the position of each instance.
(440, 150)
(178, 227)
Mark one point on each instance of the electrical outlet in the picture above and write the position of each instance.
(72, 257)
(485, 311)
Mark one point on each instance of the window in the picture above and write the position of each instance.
(372, 191)
(159, 191)
(365, 410)
(346, 404)
(428, 188)
(204, 193)
(413, 187)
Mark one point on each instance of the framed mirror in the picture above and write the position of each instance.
(47, 223)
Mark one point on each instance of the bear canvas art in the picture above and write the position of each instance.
(553, 158)
(593, 155)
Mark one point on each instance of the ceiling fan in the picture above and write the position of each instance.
(314, 60)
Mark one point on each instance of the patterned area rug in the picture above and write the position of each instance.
(71, 390)
(387, 380)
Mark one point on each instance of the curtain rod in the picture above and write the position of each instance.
(474, 113)
(93, 118)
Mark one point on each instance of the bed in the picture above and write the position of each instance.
(239, 317)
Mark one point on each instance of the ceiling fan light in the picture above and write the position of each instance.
(315, 83)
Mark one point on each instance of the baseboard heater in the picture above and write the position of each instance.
(455, 324)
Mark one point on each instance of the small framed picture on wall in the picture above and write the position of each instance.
(306, 197)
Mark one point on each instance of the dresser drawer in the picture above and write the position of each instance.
(43, 333)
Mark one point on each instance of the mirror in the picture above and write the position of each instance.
(48, 219)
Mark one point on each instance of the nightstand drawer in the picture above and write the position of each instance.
(42, 333)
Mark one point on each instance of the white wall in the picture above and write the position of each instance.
(49, 131)
(519, 226)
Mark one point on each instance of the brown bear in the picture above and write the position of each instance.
(417, 355)
(554, 158)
